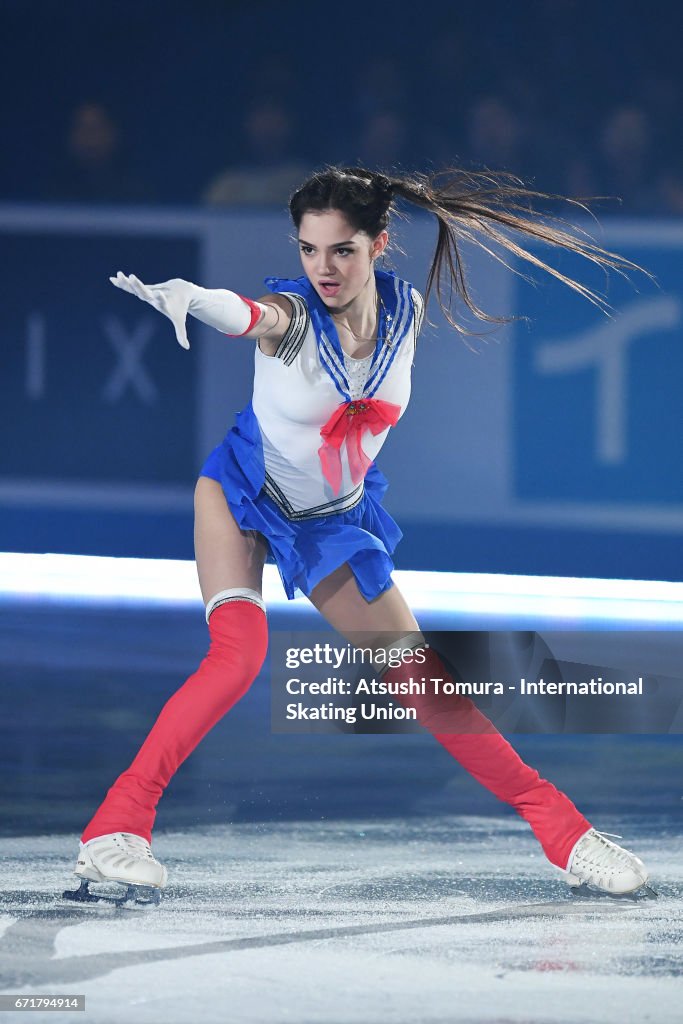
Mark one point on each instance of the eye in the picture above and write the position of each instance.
(306, 249)
(342, 251)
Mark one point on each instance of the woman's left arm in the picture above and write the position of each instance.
(227, 311)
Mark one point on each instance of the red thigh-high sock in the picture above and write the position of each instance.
(239, 640)
(477, 745)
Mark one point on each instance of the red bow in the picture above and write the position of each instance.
(349, 421)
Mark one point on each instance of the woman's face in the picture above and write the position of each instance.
(336, 258)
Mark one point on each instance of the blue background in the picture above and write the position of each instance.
(555, 415)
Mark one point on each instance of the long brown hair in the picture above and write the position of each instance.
(469, 205)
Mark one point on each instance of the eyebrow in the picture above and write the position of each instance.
(337, 245)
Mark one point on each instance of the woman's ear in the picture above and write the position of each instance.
(379, 244)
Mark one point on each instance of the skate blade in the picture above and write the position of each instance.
(134, 897)
(585, 891)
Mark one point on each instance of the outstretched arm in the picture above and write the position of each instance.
(225, 310)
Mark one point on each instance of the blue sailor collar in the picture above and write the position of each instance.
(396, 297)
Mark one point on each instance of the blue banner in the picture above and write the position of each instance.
(95, 386)
(597, 400)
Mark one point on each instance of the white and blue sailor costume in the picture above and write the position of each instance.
(319, 505)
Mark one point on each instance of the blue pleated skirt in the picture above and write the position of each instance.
(308, 551)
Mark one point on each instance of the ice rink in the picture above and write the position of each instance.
(449, 918)
(335, 879)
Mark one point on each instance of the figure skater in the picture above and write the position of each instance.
(333, 357)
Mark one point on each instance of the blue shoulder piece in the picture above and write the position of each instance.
(396, 298)
(300, 285)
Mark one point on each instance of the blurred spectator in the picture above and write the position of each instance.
(528, 88)
(94, 166)
(670, 190)
(496, 136)
(442, 88)
(661, 96)
(383, 141)
(625, 160)
(580, 179)
(385, 86)
(268, 170)
(445, 70)
(620, 168)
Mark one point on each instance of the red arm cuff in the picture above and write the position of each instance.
(255, 314)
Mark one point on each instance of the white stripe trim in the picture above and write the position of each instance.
(400, 332)
(234, 594)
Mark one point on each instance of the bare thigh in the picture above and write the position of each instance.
(226, 556)
(339, 600)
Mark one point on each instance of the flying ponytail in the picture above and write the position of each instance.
(474, 206)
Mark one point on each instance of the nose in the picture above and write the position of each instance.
(324, 264)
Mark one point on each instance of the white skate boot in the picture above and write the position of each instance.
(123, 858)
(598, 863)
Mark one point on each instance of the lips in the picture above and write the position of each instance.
(329, 287)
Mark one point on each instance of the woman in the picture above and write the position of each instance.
(334, 350)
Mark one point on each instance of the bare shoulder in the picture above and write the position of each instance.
(272, 327)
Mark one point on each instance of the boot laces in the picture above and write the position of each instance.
(136, 846)
(603, 855)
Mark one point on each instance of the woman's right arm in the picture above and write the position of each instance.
(272, 326)
(267, 319)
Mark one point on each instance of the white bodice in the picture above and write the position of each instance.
(294, 396)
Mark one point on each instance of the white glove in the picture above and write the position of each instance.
(217, 307)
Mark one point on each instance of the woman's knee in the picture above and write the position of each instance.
(239, 631)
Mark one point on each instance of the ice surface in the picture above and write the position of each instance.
(455, 918)
(315, 880)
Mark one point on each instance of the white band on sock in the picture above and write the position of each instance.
(396, 648)
(234, 594)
